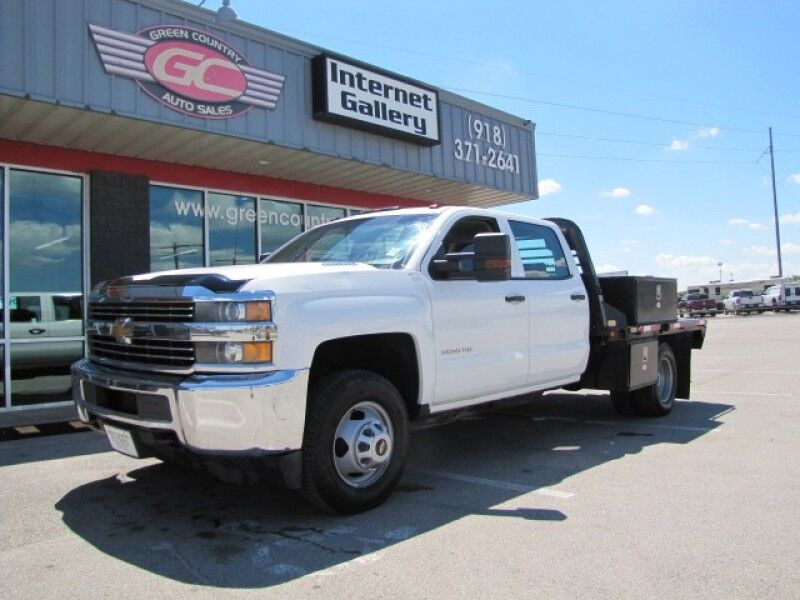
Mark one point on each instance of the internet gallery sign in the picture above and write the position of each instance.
(188, 70)
(352, 95)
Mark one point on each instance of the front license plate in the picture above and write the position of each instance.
(121, 440)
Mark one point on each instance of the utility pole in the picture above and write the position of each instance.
(775, 206)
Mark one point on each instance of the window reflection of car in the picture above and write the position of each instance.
(40, 316)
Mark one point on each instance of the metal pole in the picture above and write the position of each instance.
(775, 206)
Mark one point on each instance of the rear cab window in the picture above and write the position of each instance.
(540, 251)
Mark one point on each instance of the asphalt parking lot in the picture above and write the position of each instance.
(561, 499)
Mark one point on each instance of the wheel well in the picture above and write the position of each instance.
(391, 355)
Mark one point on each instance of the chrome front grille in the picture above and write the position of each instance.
(152, 311)
(159, 353)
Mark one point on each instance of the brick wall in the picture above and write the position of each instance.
(119, 225)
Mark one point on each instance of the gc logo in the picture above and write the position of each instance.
(195, 71)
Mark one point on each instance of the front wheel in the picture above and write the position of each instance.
(355, 442)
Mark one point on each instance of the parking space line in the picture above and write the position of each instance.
(625, 423)
(725, 393)
(495, 483)
(748, 372)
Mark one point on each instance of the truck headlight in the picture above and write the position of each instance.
(233, 312)
(233, 353)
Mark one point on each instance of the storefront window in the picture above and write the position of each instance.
(231, 230)
(40, 372)
(176, 228)
(317, 215)
(45, 299)
(45, 260)
(280, 222)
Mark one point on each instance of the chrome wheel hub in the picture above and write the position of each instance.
(665, 380)
(363, 444)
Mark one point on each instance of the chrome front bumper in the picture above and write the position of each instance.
(226, 414)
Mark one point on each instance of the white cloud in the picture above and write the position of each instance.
(735, 222)
(684, 261)
(790, 219)
(761, 250)
(708, 132)
(617, 192)
(678, 145)
(548, 186)
(787, 248)
(607, 268)
(644, 210)
(795, 178)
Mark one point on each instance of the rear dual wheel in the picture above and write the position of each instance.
(655, 400)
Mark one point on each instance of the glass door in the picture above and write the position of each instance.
(44, 285)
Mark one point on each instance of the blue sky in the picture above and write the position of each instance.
(712, 76)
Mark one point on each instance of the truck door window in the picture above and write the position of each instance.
(540, 251)
(460, 239)
(67, 308)
(25, 309)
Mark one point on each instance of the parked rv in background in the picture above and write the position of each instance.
(785, 296)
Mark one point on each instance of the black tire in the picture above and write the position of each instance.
(659, 399)
(624, 403)
(329, 402)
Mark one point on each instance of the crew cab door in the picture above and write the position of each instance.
(480, 328)
(557, 301)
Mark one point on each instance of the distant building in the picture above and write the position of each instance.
(717, 290)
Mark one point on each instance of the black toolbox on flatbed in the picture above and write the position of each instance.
(643, 300)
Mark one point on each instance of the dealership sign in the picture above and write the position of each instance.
(363, 98)
(188, 70)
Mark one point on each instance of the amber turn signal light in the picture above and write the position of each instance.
(258, 311)
(257, 352)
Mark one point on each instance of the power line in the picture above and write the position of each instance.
(546, 75)
(604, 111)
(576, 81)
(636, 142)
(649, 160)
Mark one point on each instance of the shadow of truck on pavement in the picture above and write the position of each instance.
(188, 527)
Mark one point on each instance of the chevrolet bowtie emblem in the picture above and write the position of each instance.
(122, 330)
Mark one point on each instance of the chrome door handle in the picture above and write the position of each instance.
(515, 299)
(578, 297)
(36, 331)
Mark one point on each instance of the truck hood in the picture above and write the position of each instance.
(232, 278)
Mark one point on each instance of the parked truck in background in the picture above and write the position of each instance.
(739, 302)
(316, 363)
(697, 304)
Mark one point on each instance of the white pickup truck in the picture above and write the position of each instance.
(742, 302)
(315, 364)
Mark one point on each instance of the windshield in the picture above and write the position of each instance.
(384, 242)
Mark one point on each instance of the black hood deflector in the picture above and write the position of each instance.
(219, 284)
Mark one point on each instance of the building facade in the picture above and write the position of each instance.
(144, 135)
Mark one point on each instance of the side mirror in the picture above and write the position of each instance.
(490, 259)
